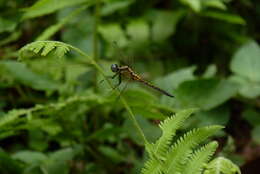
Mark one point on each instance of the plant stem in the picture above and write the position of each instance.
(95, 32)
(129, 110)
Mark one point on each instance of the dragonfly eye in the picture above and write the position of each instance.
(114, 67)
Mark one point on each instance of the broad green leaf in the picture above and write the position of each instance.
(138, 30)
(216, 116)
(112, 154)
(25, 76)
(205, 93)
(43, 7)
(30, 157)
(151, 131)
(210, 71)
(164, 24)
(10, 38)
(247, 88)
(252, 116)
(194, 4)
(246, 61)
(7, 25)
(66, 154)
(230, 18)
(256, 134)
(219, 4)
(113, 6)
(174, 79)
(113, 32)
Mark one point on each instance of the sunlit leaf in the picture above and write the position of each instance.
(230, 18)
(164, 24)
(247, 88)
(43, 7)
(246, 61)
(205, 93)
(27, 77)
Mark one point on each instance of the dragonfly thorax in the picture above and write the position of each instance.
(114, 68)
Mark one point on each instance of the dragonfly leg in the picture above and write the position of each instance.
(110, 77)
(124, 88)
(119, 80)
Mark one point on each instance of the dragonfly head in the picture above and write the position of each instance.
(114, 68)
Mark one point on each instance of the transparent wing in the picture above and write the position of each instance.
(121, 54)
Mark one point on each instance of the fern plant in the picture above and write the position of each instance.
(185, 155)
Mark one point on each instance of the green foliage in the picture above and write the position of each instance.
(184, 154)
(55, 116)
(245, 66)
(45, 47)
(208, 93)
(44, 7)
(221, 165)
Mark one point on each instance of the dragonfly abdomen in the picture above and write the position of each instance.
(154, 87)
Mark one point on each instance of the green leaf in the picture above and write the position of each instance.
(246, 61)
(196, 164)
(230, 18)
(138, 30)
(216, 116)
(30, 157)
(219, 4)
(66, 154)
(10, 38)
(182, 149)
(205, 93)
(252, 116)
(221, 165)
(44, 48)
(164, 24)
(113, 32)
(43, 7)
(112, 154)
(196, 5)
(114, 6)
(25, 76)
(173, 80)
(247, 88)
(151, 131)
(7, 25)
(169, 127)
(210, 71)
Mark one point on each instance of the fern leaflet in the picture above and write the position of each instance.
(221, 165)
(199, 158)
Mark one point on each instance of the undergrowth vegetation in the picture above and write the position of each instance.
(60, 112)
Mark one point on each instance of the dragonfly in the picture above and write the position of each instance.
(126, 71)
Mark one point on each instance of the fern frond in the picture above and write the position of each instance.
(14, 115)
(152, 166)
(221, 165)
(45, 47)
(169, 127)
(199, 158)
(182, 149)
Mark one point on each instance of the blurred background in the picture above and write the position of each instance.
(56, 116)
